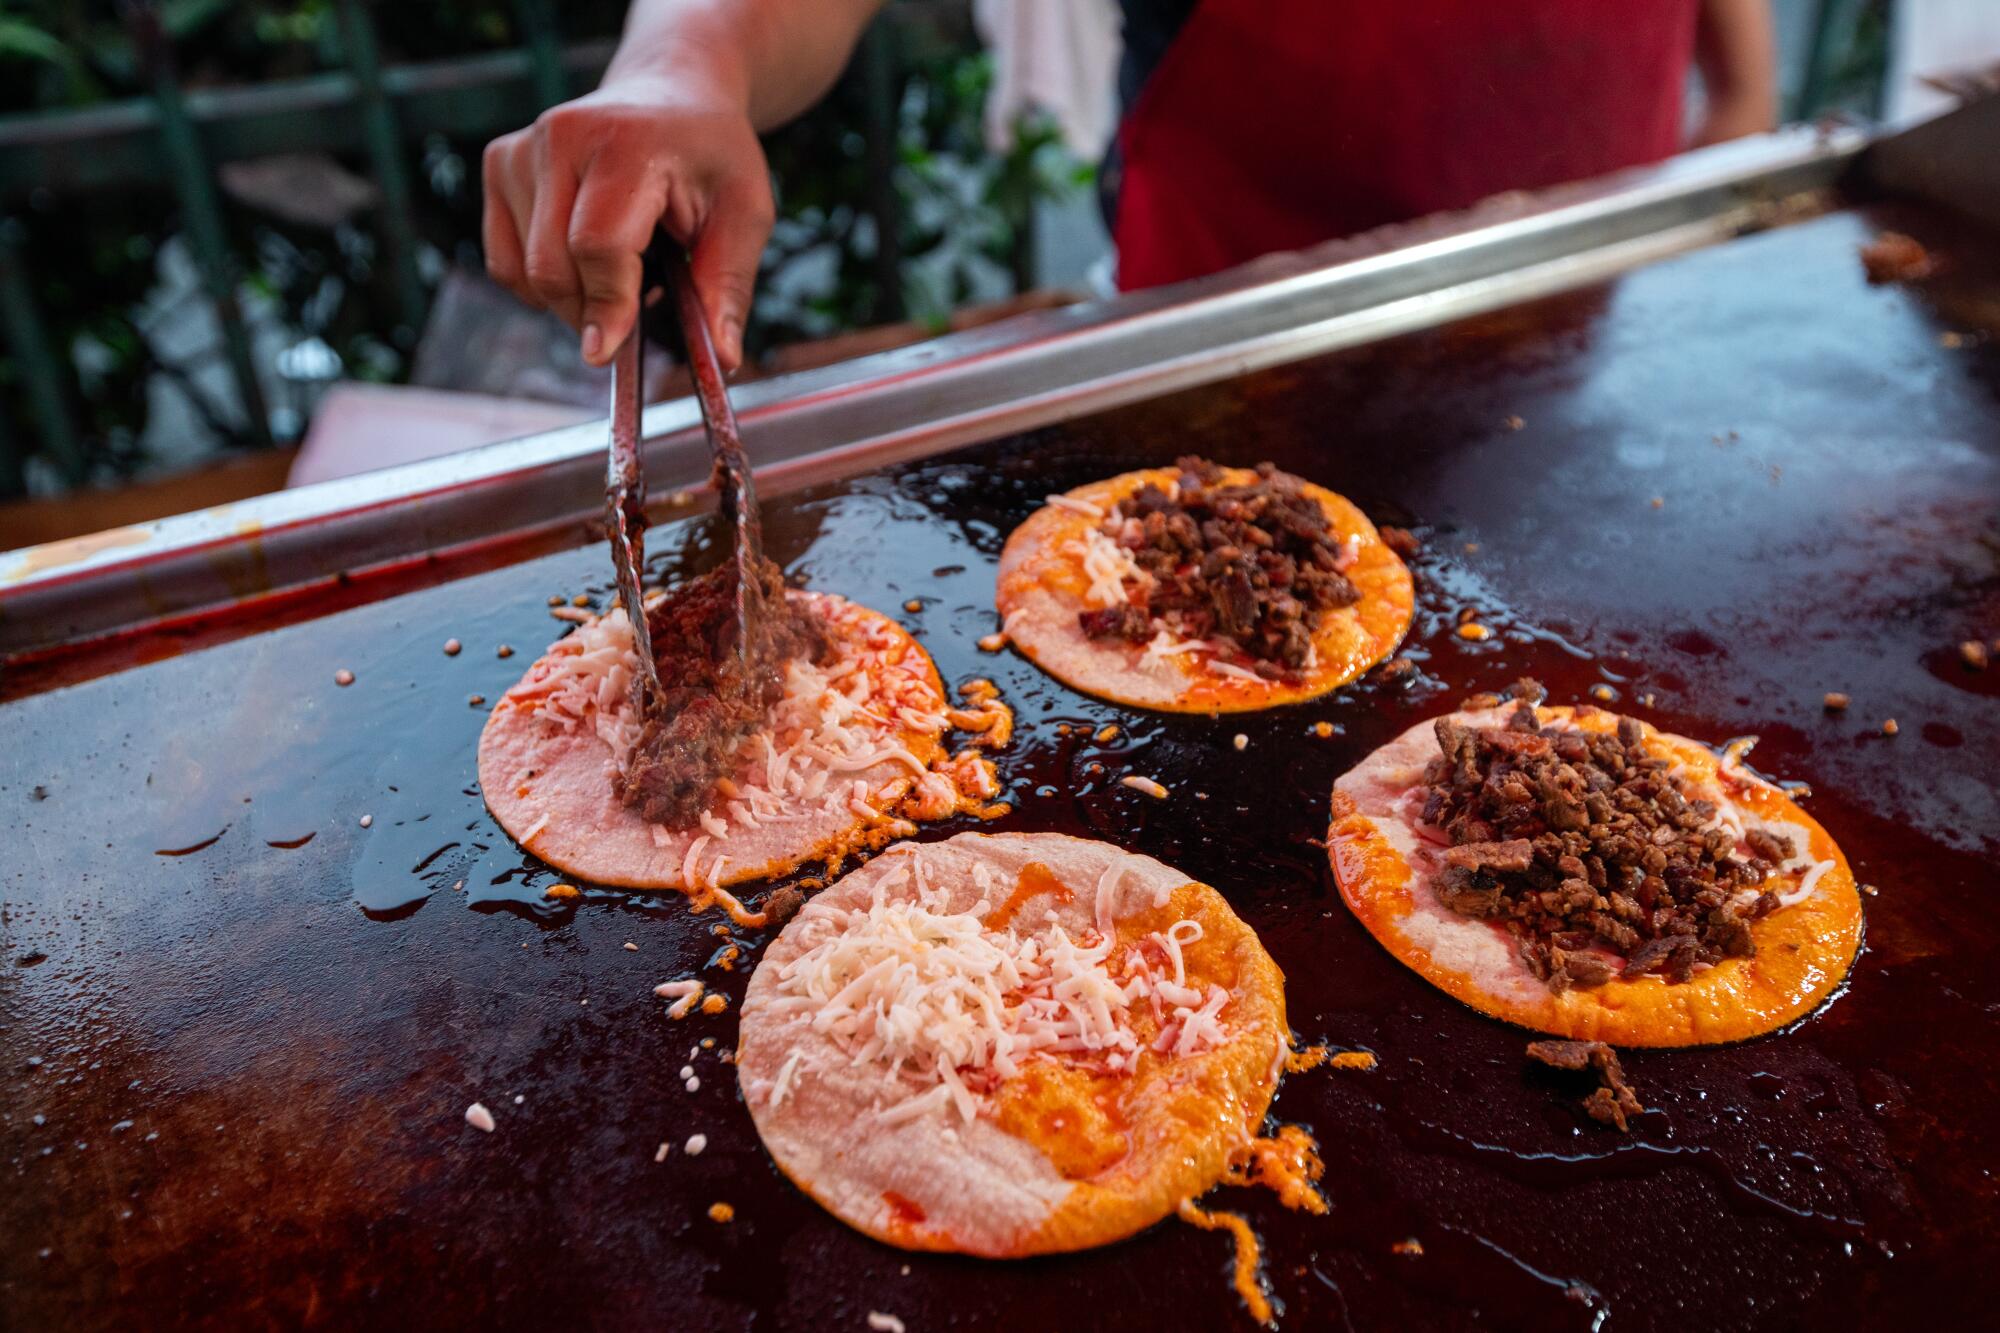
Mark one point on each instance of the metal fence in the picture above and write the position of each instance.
(176, 137)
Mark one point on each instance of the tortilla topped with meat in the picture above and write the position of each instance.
(851, 752)
(1010, 1044)
(1588, 876)
(1200, 588)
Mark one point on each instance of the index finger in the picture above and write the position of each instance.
(610, 227)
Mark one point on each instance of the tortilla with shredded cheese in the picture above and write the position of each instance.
(1058, 564)
(853, 752)
(1010, 1044)
(1386, 860)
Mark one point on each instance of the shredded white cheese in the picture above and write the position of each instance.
(1075, 506)
(932, 997)
(1107, 565)
(684, 994)
(1807, 883)
(782, 1085)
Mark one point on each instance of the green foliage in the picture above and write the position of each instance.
(963, 214)
(899, 139)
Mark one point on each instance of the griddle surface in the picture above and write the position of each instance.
(235, 1077)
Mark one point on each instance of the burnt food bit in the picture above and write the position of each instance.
(711, 701)
(1588, 849)
(1254, 563)
(1894, 257)
(1400, 540)
(1614, 1102)
(783, 904)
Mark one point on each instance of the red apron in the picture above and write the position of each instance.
(1274, 124)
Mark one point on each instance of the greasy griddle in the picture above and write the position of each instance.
(257, 1024)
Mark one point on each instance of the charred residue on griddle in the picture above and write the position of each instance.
(337, 1045)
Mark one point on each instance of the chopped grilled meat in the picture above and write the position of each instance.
(782, 906)
(1400, 540)
(1614, 1102)
(1590, 851)
(1564, 1054)
(1517, 854)
(1124, 622)
(1773, 847)
(1254, 563)
(711, 702)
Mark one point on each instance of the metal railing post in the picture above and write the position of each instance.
(385, 155)
(878, 76)
(13, 469)
(42, 374)
(194, 184)
(542, 35)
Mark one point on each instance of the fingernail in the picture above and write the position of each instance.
(593, 343)
(732, 339)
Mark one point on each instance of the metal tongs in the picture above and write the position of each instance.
(625, 480)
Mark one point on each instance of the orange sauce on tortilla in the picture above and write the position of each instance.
(904, 1209)
(1035, 879)
(1077, 1111)
(1075, 1116)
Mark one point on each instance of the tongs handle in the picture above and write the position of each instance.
(625, 501)
(624, 478)
(732, 468)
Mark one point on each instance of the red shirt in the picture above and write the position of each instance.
(1274, 124)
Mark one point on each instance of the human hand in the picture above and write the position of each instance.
(573, 200)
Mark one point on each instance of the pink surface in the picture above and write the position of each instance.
(362, 427)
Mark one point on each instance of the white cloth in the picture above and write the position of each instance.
(1056, 56)
(1937, 37)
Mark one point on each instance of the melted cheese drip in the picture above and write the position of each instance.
(1249, 1276)
(1312, 1057)
(1289, 1165)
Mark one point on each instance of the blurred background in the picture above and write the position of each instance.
(239, 241)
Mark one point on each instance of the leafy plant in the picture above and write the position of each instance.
(907, 117)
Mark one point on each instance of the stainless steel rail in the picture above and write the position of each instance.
(837, 420)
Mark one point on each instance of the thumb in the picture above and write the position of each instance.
(725, 260)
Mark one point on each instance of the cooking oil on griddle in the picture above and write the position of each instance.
(257, 1022)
